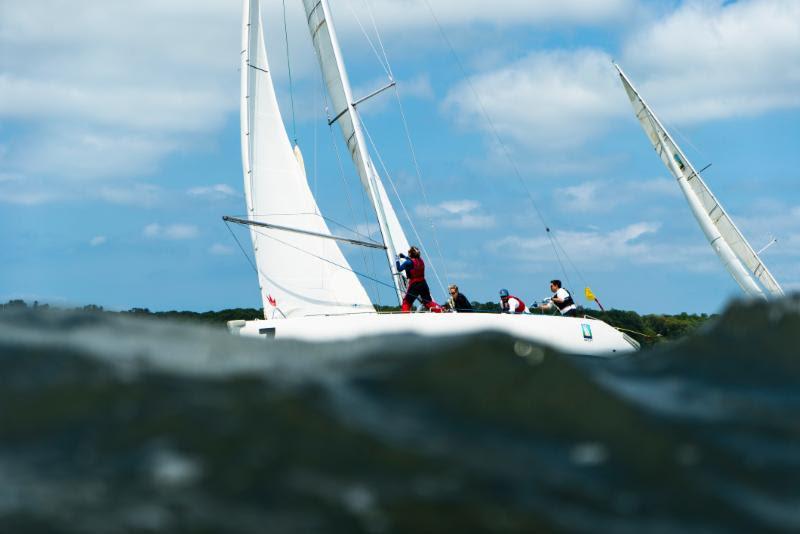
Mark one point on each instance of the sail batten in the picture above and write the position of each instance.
(725, 238)
(299, 274)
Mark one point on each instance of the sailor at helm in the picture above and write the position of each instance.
(561, 299)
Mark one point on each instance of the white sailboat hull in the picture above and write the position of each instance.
(566, 334)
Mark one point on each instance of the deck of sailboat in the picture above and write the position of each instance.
(581, 335)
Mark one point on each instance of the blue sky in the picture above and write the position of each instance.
(119, 144)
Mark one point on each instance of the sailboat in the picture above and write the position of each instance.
(739, 258)
(308, 289)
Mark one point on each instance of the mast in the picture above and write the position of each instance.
(391, 232)
(736, 254)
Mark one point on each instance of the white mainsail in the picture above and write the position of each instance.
(725, 238)
(326, 44)
(299, 275)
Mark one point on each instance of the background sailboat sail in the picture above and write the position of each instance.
(298, 274)
(325, 42)
(730, 245)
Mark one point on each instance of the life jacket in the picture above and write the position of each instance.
(520, 305)
(417, 272)
(567, 301)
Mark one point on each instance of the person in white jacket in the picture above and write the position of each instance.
(561, 299)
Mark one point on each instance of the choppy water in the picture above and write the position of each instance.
(118, 424)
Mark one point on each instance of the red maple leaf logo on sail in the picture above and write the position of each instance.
(272, 301)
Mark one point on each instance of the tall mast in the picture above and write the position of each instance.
(360, 151)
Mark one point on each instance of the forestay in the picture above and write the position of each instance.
(736, 253)
(343, 109)
(299, 275)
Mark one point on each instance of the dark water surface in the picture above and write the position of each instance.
(119, 424)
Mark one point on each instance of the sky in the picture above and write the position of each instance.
(120, 146)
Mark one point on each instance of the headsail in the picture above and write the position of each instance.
(299, 274)
(730, 245)
(326, 44)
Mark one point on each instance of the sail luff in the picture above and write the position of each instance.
(733, 249)
(326, 44)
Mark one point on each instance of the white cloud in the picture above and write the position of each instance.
(367, 229)
(171, 232)
(115, 86)
(82, 154)
(463, 214)
(218, 249)
(394, 15)
(213, 191)
(96, 241)
(17, 189)
(547, 100)
(131, 194)
(706, 60)
(608, 250)
(605, 196)
(712, 59)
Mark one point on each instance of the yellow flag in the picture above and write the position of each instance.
(589, 295)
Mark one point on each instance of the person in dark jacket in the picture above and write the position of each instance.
(417, 286)
(457, 301)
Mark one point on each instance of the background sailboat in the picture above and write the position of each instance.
(739, 258)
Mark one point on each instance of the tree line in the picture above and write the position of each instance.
(647, 329)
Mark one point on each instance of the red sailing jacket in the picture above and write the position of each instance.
(417, 272)
(520, 304)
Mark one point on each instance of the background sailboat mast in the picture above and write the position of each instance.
(717, 226)
(359, 151)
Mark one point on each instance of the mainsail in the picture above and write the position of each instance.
(326, 44)
(725, 238)
(299, 274)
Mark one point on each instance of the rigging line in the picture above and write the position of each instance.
(324, 259)
(408, 136)
(403, 206)
(558, 257)
(367, 259)
(253, 265)
(684, 138)
(345, 227)
(420, 183)
(490, 122)
(343, 176)
(378, 36)
(289, 66)
(574, 268)
(386, 69)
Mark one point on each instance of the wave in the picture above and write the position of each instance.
(117, 423)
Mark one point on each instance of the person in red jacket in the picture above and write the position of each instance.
(417, 286)
(511, 304)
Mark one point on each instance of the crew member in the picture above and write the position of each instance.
(511, 304)
(457, 301)
(417, 286)
(561, 299)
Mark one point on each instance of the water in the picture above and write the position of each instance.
(120, 424)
